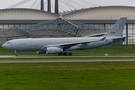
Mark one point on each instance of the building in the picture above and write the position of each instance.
(95, 18)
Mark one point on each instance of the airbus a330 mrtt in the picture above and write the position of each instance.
(63, 46)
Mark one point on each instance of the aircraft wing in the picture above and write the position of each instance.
(68, 45)
(96, 35)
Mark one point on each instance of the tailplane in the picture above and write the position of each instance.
(118, 28)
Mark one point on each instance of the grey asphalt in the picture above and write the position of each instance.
(54, 61)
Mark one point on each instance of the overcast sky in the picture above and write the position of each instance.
(8, 3)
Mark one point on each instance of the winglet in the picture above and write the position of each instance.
(118, 28)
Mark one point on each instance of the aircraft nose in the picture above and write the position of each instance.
(7, 46)
(3, 46)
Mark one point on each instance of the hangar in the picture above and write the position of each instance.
(20, 22)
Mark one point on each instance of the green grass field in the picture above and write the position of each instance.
(71, 76)
(114, 52)
(111, 50)
(68, 76)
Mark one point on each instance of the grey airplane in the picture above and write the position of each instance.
(63, 46)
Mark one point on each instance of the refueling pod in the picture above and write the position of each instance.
(51, 50)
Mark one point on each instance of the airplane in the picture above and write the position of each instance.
(63, 46)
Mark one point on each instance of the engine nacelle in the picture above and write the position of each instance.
(41, 52)
(53, 50)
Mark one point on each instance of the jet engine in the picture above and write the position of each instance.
(53, 50)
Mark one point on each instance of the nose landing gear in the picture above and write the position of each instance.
(16, 53)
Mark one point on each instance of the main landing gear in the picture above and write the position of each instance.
(65, 54)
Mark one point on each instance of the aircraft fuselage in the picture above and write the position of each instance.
(35, 44)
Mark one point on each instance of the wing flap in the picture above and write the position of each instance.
(95, 35)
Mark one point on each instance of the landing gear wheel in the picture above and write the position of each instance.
(60, 54)
(16, 55)
(65, 54)
(70, 54)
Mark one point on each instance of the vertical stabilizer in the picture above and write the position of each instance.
(118, 28)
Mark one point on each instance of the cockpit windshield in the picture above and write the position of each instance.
(8, 42)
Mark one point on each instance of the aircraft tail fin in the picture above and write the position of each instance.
(118, 28)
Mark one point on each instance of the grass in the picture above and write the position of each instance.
(114, 52)
(111, 50)
(68, 76)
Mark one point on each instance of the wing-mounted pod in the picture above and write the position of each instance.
(50, 50)
(53, 50)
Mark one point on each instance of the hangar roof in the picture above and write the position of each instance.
(75, 11)
(94, 13)
(102, 13)
(26, 14)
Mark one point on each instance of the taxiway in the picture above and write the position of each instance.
(60, 61)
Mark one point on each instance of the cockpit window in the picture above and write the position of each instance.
(8, 42)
